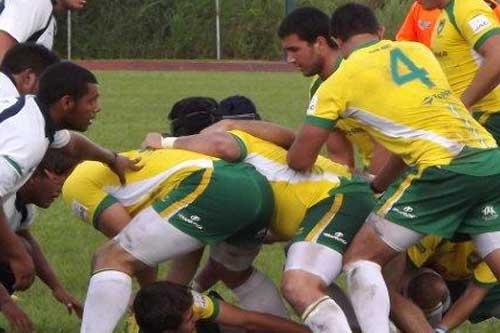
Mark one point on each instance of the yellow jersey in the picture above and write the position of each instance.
(398, 93)
(460, 30)
(92, 186)
(294, 192)
(454, 261)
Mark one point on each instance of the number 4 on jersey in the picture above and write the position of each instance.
(398, 58)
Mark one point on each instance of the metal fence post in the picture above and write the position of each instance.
(217, 27)
(68, 35)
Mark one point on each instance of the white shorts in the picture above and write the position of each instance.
(153, 240)
(395, 236)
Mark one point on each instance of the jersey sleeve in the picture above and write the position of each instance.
(476, 21)
(22, 18)
(327, 103)
(483, 276)
(86, 198)
(204, 306)
(61, 139)
(407, 30)
(244, 140)
(419, 253)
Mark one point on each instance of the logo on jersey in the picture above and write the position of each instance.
(405, 211)
(479, 23)
(440, 26)
(424, 24)
(312, 105)
(80, 210)
(489, 213)
(338, 236)
(193, 220)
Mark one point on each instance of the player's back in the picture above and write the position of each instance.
(294, 192)
(398, 92)
(92, 184)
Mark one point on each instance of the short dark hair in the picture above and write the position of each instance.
(64, 78)
(353, 19)
(161, 306)
(28, 55)
(56, 161)
(192, 114)
(308, 23)
(236, 107)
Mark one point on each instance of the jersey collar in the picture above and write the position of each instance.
(50, 126)
(364, 45)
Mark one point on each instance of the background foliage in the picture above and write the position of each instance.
(156, 29)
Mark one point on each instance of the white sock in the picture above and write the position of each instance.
(259, 293)
(107, 300)
(369, 296)
(325, 316)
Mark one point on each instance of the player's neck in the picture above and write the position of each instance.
(357, 42)
(330, 65)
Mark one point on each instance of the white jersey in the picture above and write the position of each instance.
(29, 21)
(26, 131)
(7, 87)
(19, 216)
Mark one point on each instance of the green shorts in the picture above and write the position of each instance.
(334, 221)
(490, 121)
(231, 202)
(442, 202)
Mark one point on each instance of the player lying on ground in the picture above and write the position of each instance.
(328, 205)
(41, 190)
(447, 281)
(398, 93)
(165, 307)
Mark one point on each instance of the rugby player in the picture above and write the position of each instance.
(463, 34)
(21, 68)
(169, 307)
(179, 201)
(43, 187)
(67, 99)
(448, 281)
(305, 38)
(397, 92)
(319, 212)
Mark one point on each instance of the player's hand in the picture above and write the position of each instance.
(121, 164)
(220, 126)
(70, 302)
(75, 4)
(18, 320)
(152, 140)
(23, 268)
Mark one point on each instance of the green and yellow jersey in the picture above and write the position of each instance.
(294, 192)
(398, 93)
(205, 307)
(92, 186)
(454, 261)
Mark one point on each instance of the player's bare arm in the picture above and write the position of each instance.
(306, 147)
(340, 149)
(461, 310)
(222, 145)
(18, 320)
(6, 43)
(82, 148)
(391, 170)
(279, 135)
(14, 252)
(249, 320)
(488, 74)
(45, 272)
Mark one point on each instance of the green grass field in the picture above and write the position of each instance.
(134, 103)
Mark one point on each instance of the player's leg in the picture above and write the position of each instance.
(147, 241)
(314, 260)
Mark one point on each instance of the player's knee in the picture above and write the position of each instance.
(427, 290)
(297, 288)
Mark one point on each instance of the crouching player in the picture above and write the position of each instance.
(179, 201)
(319, 211)
(448, 282)
(169, 307)
(41, 190)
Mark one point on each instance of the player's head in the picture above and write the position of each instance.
(305, 38)
(236, 107)
(163, 307)
(44, 186)
(192, 114)
(427, 290)
(25, 62)
(60, 5)
(73, 91)
(432, 4)
(354, 19)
